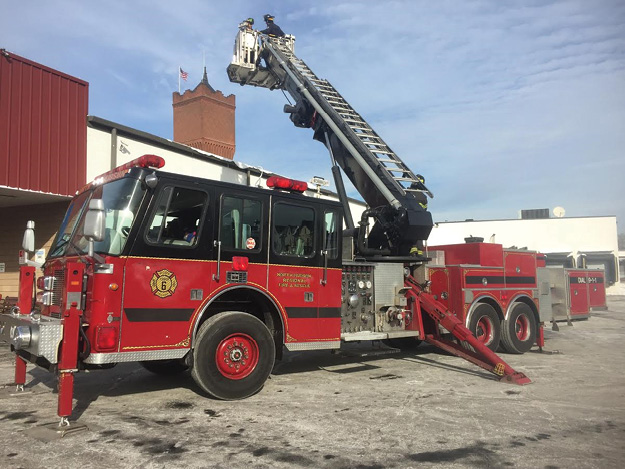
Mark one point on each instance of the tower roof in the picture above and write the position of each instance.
(205, 81)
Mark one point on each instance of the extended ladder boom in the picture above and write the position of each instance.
(396, 195)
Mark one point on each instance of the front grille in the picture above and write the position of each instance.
(59, 284)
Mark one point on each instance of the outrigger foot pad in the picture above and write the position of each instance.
(516, 378)
(55, 430)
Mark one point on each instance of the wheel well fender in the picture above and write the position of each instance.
(484, 299)
(522, 298)
(250, 300)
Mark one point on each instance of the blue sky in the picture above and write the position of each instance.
(501, 105)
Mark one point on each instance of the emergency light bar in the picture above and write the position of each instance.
(145, 161)
(287, 184)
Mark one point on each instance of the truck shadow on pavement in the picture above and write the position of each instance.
(361, 358)
(127, 379)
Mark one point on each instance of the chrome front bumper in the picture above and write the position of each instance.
(38, 335)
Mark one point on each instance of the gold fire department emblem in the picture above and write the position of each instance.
(163, 283)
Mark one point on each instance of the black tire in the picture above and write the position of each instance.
(403, 343)
(166, 367)
(233, 356)
(519, 329)
(486, 326)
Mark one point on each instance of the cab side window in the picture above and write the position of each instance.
(240, 224)
(293, 230)
(176, 220)
(331, 224)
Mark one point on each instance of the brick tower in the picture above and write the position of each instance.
(204, 119)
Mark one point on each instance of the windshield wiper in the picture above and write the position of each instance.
(57, 248)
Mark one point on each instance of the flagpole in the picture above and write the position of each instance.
(179, 68)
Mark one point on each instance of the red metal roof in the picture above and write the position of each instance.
(43, 127)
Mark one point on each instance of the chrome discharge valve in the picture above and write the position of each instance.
(394, 314)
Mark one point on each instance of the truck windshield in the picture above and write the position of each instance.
(121, 201)
(68, 225)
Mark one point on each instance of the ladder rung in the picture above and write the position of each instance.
(369, 138)
(406, 179)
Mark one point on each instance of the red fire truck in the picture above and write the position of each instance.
(182, 273)
(502, 295)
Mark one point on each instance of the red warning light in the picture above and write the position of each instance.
(287, 184)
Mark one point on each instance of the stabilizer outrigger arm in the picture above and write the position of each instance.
(481, 355)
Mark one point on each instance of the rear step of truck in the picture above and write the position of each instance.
(481, 355)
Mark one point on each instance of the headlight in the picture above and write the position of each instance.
(46, 298)
(48, 283)
(20, 337)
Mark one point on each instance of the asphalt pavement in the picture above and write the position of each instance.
(365, 407)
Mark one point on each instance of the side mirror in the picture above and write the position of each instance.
(28, 243)
(94, 221)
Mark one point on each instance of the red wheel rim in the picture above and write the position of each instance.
(522, 327)
(237, 356)
(484, 330)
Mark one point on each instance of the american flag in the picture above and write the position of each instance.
(184, 75)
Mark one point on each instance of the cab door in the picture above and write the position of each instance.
(300, 274)
(168, 271)
(329, 293)
(242, 231)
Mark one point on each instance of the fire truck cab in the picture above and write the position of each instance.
(178, 252)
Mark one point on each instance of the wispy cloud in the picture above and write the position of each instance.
(502, 105)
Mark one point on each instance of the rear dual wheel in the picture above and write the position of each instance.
(233, 355)
(519, 329)
(486, 326)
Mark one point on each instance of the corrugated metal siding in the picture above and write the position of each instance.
(43, 127)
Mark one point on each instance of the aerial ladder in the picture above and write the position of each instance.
(395, 195)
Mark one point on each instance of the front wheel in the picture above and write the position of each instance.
(233, 355)
(519, 329)
(485, 325)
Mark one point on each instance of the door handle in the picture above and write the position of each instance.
(217, 275)
(324, 253)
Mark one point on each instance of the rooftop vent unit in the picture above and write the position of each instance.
(534, 213)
